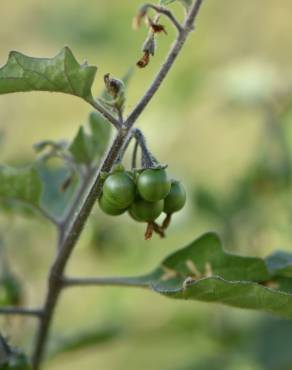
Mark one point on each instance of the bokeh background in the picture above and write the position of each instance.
(221, 121)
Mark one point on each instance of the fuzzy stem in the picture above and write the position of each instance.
(105, 113)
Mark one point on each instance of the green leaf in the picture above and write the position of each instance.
(86, 147)
(100, 131)
(220, 277)
(81, 147)
(207, 253)
(59, 74)
(54, 200)
(20, 185)
(203, 271)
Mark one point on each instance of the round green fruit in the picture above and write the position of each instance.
(108, 208)
(134, 217)
(141, 210)
(119, 190)
(176, 198)
(153, 184)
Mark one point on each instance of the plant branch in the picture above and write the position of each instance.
(108, 281)
(21, 311)
(105, 113)
(171, 57)
(148, 160)
(68, 237)
(75, 221)
(166, 12)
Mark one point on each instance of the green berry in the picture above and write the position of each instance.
(176, 198)
(146, 211)
(153, 184)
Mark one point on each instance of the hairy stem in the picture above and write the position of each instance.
(134, 155)
(78, 216)
(106, 114)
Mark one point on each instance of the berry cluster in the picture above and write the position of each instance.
(145, 195)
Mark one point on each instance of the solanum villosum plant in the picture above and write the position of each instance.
(94, 173)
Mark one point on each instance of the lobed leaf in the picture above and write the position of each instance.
(203, 271)
(59, 74)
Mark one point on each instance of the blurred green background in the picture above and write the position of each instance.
(222, 121)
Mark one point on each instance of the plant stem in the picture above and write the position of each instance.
(69, 235)
(77, 218)
(168, 13)
(134, 155)
(20, 311)
(108, 281)
(148, 160)
(106, 114)
(171, 57)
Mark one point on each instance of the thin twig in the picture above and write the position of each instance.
(121, 118)
(109, 281)
(77, 218)
(172, 55)
(168, 13)
(148, 160)
(105, 113)
(20, 311)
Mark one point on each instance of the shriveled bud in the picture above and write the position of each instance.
(115, 88)
(148, 49)
(144, 61)
(156, 27)
(149, 45)
(139, 17)
(113, 85)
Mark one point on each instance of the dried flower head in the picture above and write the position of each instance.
(144, 61)
(155, 26)
(113, 86)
